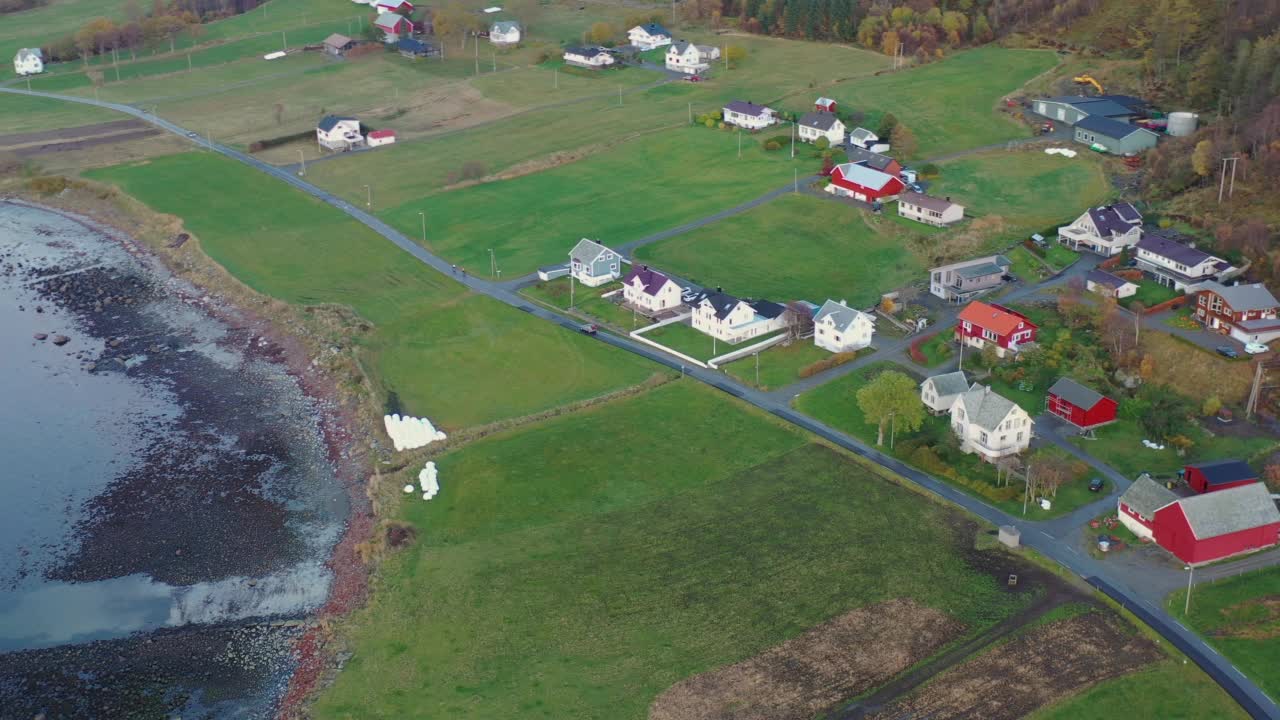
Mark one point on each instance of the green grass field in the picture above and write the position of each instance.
(21, 114)
(1120, 446)
(1151, 293)
(1239, 617)
(939, 348)
(684, 339)
(578, 568)
(1169, 689)
(458, 359)
(796, 247)
(625, 194)
(950, 104)
(779, 366)
(1026, 267)
(34, 27)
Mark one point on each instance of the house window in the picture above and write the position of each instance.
(982, 437)
(989, 334)
(1019, 437)
(968, 325)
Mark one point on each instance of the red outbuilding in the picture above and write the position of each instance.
(980, 324)
(863, 183)
(1202, 528)
(1079, 405)
(824, 104)
(1220, 475)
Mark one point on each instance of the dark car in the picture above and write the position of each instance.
(1227, 352)
(589, 329)
(1095, 485)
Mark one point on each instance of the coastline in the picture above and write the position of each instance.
(307, 356)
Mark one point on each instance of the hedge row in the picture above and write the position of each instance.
(260, 145)
(826, 364)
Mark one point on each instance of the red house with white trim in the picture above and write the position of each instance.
(863, 183)
(1081, 406)
(1219, 475)
(980, 324)
(1202, 528)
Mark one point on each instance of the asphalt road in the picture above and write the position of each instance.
(1037, 536)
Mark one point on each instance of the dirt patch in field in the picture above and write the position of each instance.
(803, 676)
(44, 148)
(1034, 670)
(1256, 619)
(74, 133)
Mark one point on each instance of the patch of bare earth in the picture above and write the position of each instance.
(1034, 670)
(843, 657)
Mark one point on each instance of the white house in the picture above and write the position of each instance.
(336, 132)
(840, 328)
(749, 115)
(650, 290)
(29, 61)
(815, 125)
(593, 264)
(727, 318)
(929, 210)
(588, 57)
(1177, 265)
(649, 36)
(939, 393)
(688, 58)
(1105, 230)
(867, 140)
(504, 32)
(989, 424)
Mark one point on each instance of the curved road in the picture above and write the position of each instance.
(1059, 547)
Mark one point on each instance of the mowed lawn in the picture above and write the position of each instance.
(578, 568)
(23, 114)
(796, 247)
(950, 104)
(1028, 189)
(32, 28)
(460, 360)
(642, 187)
(1170, 689)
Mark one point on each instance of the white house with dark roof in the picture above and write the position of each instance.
(962, 281)
(748, 115)
(939, 392)
(733, 320)
(649, 36)
(1178, 265)
(29, 61)
(593, 264)
(930, 210)
(336, 132)
(650, 290)
(1105, 230)
(816, 125)
(989, 424)
(1104, 283)
(504, 32)
(840, 328)
(593, 58)
(685, 57)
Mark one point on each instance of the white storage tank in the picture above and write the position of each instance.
(1182, 124)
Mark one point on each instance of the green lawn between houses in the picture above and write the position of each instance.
(1240, 618)
(1120, 446)
(796, 247)
(779, 366)
(459, 359)
(579, 567)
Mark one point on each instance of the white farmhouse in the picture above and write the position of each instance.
(816, 125)
(593, 264)
(939, 393)
(727, 318)
(593, 58)
(840, 328)
(29, 61)
(336, 132)
(650, 290)
(749, 115)
(1105, 230)
(504, 32)
(692, 59)
(649, 36)
(989, 424)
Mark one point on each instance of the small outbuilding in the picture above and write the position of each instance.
(1219, 475)
(1081, 406)
(1104, 283)
(381, 137)
(337, 44)
(1113, 136)
(414, 48)
(824, 104)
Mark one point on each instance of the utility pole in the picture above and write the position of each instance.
(303, 159)
(739, 143)
(188, 62)
(493, 264)
(893, 426)
(619, 96)
(208, 133)
(690, 104)
(757, 369)
(1026, 489)
(284, 41)
(368, 201)
(556, 76)
(673, 12)
(495, 61)
(1222, 178)
(793, 140)
(1191, 573)
(423, 215)
(477, 44)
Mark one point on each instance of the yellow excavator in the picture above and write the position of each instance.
(1088, 80)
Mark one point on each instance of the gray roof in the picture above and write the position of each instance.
(680, 46)
(1075, 393)
(586, 52)
(1243, 297)
(842, 315)
(986, 408)
(337, 40)
(861, 135)
(389, 19)
(1145, 496)
(1173, 250)
(864, 176)
(1105, 279)
(1231, 510)
(1109, 128)
(952, 383)
(586, 251)
(823, 121)
(746, 108)
(654, 29)
(1115, 219)
(767, 308)
(978, 270)
(505, 26)
(925, 201)
(875, 161)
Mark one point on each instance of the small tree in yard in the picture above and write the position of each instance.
(1211, 406)
(887, 124)
(735, 54)
(891, 396)
(1050, 470)
(1271, 474)
(903, 141)
(822, 143)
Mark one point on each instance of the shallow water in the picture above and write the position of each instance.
(166, 484)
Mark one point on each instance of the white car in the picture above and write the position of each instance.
(1255, 348)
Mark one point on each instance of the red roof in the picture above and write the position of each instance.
(993, 317)
(377, 134)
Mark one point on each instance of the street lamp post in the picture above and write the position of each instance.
(303, 159)
(368, 197)
(1191, 573)
(423, 215)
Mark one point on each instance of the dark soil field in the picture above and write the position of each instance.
(28, 145)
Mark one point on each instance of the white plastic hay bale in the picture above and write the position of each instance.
(407, 433)
(408, 488)
(428, 481)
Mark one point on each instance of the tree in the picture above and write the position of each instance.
(799, 320)
(822, 143)
(1211, 406)
(891, 397)
(887, 124)
(1051, 469)
(277, 111)
(600, 33)
(1202, 158)
(735, 54)
(903, 141)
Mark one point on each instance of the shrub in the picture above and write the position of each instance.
(711, 124)
(721, 125)
(49, 184)
(260, 145)
(929, 170)
(822, 143)
(826, 364)
(772, 146)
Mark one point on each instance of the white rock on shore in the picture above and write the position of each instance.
(408, 433)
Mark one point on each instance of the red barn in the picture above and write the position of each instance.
(1209, 527)
(863, 183)
(1220, 475)
(980, 323)
(824, 104)
(394, 6)
(1079, 405)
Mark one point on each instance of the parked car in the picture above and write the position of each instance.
(1255, 348)
(1227, 351)
(693, 78)
(589, 329)
(1095, 485)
